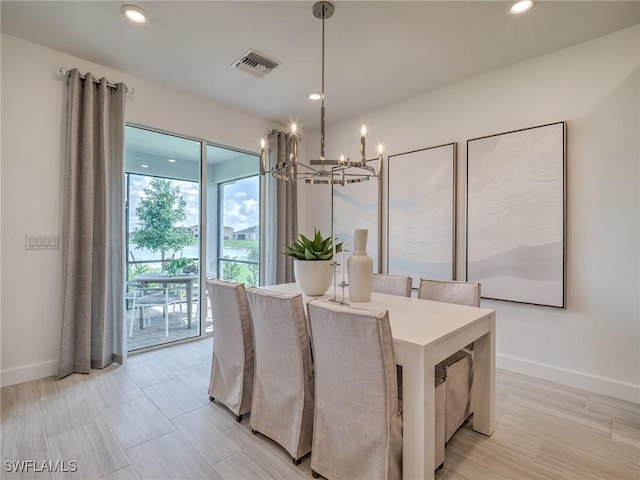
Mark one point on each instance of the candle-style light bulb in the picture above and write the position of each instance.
(380, 150)
(341, 158)
(294, 144)
(363, 154)
(263, 156)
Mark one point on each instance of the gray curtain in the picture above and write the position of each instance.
(93, 272)
(281, 214)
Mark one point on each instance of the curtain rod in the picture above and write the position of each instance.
(65, 72)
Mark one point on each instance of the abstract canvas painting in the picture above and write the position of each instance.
(421, 213)
(356, 206)
(515, 214)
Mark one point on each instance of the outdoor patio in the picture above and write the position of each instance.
(154, 333)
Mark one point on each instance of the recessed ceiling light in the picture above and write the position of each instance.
(315, 96)
(171, 160)
(521, 6)
(144, 166)
(134, 13)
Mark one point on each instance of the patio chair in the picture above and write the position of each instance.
(147, 297)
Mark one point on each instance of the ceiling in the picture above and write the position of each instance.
(377, 53)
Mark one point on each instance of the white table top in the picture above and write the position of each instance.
(413, 321)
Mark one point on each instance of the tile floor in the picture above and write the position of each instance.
(153, 420)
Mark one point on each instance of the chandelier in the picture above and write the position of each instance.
(323, 170)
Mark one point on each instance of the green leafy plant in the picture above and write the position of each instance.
(320, 248)
(231, 270)
(135, 269)
(253, 278)
(174, 265)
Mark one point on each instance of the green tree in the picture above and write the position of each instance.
(161, 209)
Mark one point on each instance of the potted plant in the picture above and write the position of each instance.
(175, 266)
(312, 262)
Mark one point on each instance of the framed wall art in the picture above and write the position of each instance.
(357, 206)
(516, 214)
(421, 213)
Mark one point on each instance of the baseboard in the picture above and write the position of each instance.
(592, 383)
(26, 373)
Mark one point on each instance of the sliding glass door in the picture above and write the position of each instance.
(233, 217)
(192, 212)
(162, 237)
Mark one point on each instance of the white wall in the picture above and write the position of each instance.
(33, 132)
(594, 343)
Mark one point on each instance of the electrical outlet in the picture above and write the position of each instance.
(41, 242)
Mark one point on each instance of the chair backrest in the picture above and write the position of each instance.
(392, 284)
(357, 426)
(449, 291)
(233, 355)
(282, 405)
(153, 296)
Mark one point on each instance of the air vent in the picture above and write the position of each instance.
(255, 63)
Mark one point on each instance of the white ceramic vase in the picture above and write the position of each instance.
(360, 269)
(313, 276)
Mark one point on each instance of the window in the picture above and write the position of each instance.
(239, 246)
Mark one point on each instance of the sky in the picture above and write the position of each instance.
(241, 206)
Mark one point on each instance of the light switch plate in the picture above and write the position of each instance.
(41, 242)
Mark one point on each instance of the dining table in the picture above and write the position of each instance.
(424, 334)
(163, 279)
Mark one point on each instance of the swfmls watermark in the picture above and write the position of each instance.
(38, 466)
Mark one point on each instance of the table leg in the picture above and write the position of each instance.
(143, 285)
(484, 380)
(189, 294)
(418, 416)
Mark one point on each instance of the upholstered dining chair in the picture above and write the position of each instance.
(450, 291)
(458, 368)
(392, 284)
(233, 356)
(400, 285)
(357, 431)
(283, 389)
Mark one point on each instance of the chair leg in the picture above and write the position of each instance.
(314, 474)
(146, 317)
(296, 461)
